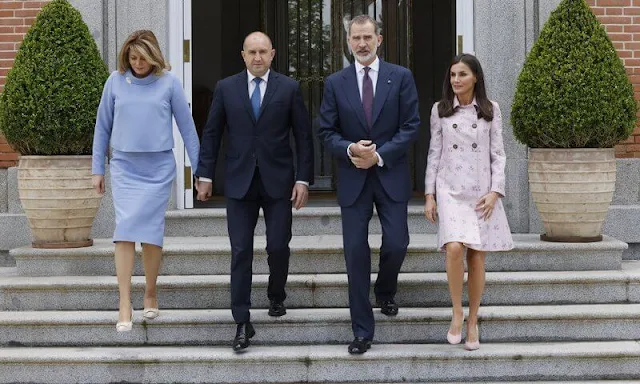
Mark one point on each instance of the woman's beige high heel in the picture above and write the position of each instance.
(150, 313)
(454, 339)
(472, 345)
(125, 326)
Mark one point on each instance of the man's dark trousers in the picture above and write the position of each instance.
(242, 216)
(395, 240)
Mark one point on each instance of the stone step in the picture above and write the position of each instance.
(317, 254)
(308, 221)
(323, 290)
(384, 363)
(606, 322)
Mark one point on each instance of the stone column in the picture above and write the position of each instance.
(111, 21)
(504, 33)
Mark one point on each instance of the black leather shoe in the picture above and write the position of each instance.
(277, 308)
(388, 307)
(359, 345)
(244, 332)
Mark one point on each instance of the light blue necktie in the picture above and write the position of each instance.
(255, 98)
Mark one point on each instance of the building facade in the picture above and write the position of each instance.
(202, 40)
(621, 19)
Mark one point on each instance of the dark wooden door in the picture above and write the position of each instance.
(218, 30)
(433, 47)
(310, 41)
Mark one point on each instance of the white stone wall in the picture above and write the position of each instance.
(504, 33)
(111, 21)
(4, 202)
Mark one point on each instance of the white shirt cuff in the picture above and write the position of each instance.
(380, 161)
(349, 151)
(208, 180)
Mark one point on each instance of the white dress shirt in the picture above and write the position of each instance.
(373, 75)
(263, 89)
(263, 84)
(374, 69)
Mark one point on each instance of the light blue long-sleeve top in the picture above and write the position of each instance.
(135, 116)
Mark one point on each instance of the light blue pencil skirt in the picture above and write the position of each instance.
(141, 185)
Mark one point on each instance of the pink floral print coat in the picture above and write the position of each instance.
(466, 161)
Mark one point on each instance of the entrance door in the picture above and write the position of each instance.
(310, 41)
(218, 29)
(434, 32)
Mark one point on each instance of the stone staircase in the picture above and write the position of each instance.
(551, 312)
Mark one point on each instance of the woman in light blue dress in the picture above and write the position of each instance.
(135, 115)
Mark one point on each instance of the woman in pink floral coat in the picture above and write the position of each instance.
(464, 185)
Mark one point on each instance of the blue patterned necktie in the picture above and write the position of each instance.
(255, 98)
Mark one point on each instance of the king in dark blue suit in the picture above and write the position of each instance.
(368, 120)
(260, 108)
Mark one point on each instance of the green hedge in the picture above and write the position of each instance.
(573, 91)
(49, 102)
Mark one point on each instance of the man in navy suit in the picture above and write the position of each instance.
(260, 108)
(368, 120)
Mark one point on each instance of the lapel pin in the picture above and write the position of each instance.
(389, 81)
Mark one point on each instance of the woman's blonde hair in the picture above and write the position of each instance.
(144, 43)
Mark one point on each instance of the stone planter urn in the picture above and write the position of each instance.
(572, 190)
(58, 199)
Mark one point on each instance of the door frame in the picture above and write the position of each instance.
(180, 56)
(465, 38)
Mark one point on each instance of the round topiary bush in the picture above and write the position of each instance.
(49, 102)
(573, 91)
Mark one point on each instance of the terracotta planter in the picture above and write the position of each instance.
(58, 199)
(572, 189)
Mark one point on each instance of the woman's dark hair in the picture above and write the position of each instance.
(485, 108)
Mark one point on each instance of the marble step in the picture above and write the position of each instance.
(308, 221)
(317, 254)
(310, 326)
(384, 363)
(321, 290)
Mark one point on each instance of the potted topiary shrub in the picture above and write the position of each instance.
(47, 114)
(573, 103)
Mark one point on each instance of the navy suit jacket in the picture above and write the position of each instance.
(395, 120)
(263, 143)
